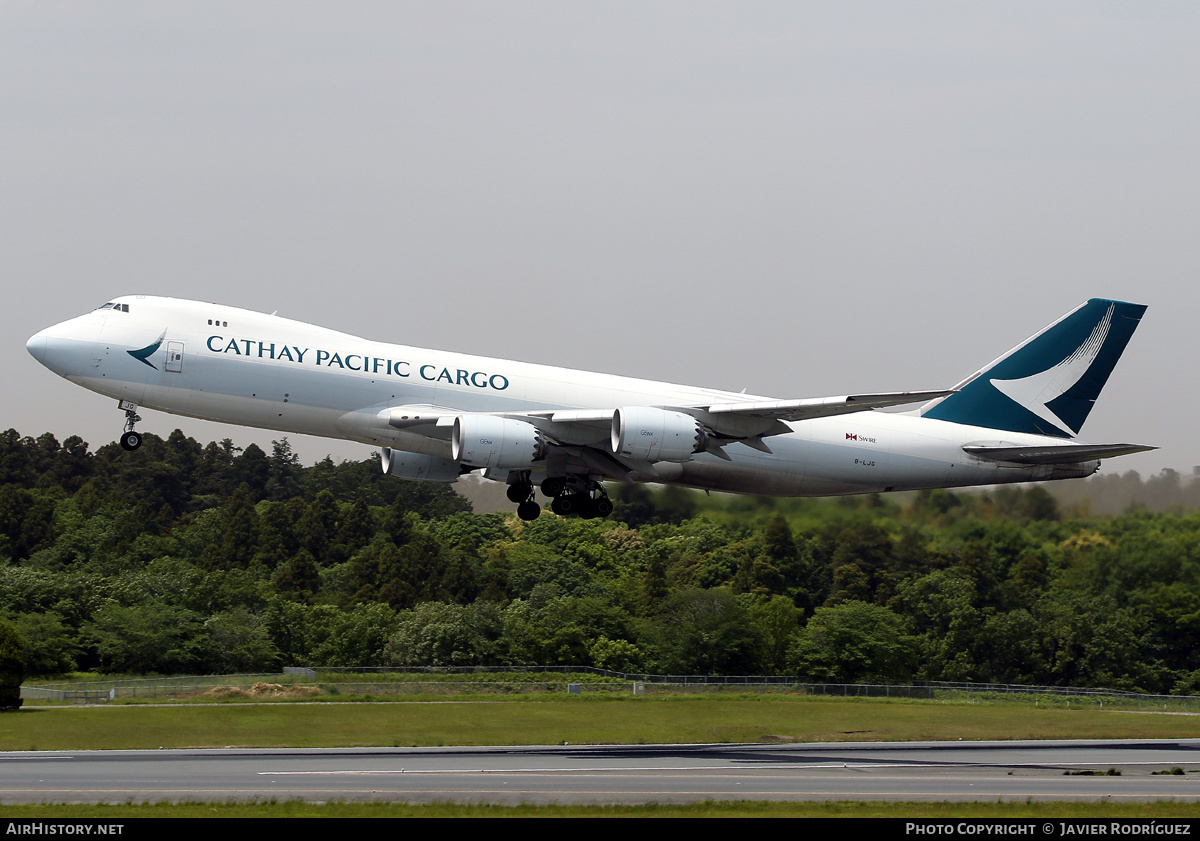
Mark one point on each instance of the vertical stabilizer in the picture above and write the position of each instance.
(1048, 383)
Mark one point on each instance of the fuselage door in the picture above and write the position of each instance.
(175, 357)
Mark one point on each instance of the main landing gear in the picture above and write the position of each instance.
(584, 498)
(573, 496)
(522, 492)
(130, 440)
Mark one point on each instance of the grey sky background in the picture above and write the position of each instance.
(798, 199)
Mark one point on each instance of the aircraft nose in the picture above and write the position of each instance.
(37, 346)
(66, 348)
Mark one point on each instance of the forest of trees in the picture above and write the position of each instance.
(186, 558)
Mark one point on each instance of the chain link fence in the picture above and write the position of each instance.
(367, 682)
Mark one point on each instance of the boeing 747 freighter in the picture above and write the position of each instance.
(438, 415)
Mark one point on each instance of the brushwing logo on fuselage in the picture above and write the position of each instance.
(145, 353)
(1036, 391)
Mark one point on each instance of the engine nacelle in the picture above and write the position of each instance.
(648, 434)
(418, 466)
(490, 441)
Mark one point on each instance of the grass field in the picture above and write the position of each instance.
(723, 809)
(547, 720)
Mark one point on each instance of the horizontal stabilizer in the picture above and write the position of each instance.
(1055, 454)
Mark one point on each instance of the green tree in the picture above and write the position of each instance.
(357, 637)
(12, 667)
(778, 622)
(47, 645)
(146, 638)
(237, 641)
(239, 533)
(283, 472)
(299, 577)
(440, 634)
(544, 630)
(941, 608)
(855, 642)
(253, 468)
(15, 466)
(706, 632)
(617, 655)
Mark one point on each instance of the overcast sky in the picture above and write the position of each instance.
(799, 199)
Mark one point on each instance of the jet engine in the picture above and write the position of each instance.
(491, 441)
(649, 434)
(419, 466)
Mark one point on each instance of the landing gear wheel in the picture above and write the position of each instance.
(519, 492)
(563, 506)
(529, 510)
(131, 440)
(587, 504)
(578, 503)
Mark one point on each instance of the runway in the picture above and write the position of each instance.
(942, 771)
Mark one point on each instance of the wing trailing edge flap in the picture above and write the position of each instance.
(1055, 453)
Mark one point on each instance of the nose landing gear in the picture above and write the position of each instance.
(130, 440)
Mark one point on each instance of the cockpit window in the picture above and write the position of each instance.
(111, 306)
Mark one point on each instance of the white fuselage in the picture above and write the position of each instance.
(235, 366)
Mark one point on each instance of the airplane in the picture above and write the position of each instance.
(439, 415)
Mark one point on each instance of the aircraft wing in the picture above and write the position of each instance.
(1055, 454)
(748, 421)
(820, 407)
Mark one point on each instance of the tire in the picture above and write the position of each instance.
(563, 506)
